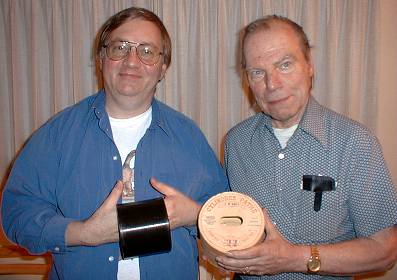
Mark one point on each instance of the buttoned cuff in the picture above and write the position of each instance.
(53, 237)
(192, 230)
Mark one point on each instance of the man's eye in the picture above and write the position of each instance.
(285, 65)
(117, 47)
(147, 50)
(256, 73)
(123, 46)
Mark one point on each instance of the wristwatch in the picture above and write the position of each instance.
(314, 262)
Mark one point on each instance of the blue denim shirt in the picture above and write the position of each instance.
(70, 165)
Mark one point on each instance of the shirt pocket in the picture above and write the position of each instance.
(327, 224)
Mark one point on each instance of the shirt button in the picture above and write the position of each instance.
(114, 157)
(56, 249)
(281, 156)
(111, 258)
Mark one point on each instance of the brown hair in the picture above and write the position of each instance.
(129, 14)
(265, 23)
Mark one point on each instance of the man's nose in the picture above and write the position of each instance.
(273, 80)
(132, 57)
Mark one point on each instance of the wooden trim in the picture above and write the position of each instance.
(29, 269)
(15, 260)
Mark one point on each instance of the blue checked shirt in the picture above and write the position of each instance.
(325, 143)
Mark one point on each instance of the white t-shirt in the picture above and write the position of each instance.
(284, 134)
(126, 135)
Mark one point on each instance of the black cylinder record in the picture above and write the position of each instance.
(144, 228)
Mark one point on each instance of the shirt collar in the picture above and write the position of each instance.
(158, 119)
(157, 114)
(99, 105)
(312, 122)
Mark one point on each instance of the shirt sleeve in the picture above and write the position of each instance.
(373, 197)
(213, 179)
(29, 209)
(217, 181)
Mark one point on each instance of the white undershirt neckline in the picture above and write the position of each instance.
(284, 134)
(128, 132)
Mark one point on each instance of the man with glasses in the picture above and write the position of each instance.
(62, 193)
(331, 207)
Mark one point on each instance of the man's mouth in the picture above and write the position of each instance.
(277, 101)
(130, 75)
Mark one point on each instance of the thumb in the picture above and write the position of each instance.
(114, 195)
(269, 226)
(162, 188)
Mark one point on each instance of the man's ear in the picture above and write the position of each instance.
(310, 62)
(163, 71)
(100, 62)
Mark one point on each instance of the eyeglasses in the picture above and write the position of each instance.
(147, 54)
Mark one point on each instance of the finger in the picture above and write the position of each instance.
(269, 225)
(224, 272)
(162, 188)
(114, 195)
(231, 268)
(245, 254)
